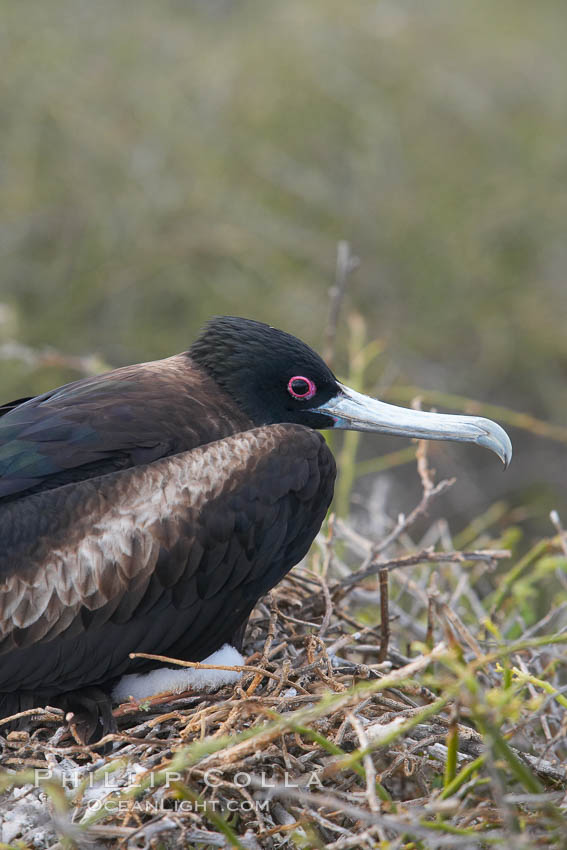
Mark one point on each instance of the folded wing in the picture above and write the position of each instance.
(124, 418)
(166, 557)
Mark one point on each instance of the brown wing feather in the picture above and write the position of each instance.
(128, 417)
(173, 554)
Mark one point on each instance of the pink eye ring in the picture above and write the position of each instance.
(301, 387)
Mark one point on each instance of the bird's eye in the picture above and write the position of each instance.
(300, 387)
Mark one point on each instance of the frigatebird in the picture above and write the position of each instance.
(149, 508)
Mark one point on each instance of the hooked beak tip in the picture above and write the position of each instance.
(497, 440)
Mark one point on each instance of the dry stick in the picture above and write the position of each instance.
(346, 263)
(385, 617)
(459, 627)
(299, 622)
(338, 644)
(553, 612)
(425, 556)
(430, 636)
(326, 621)
(408, 751)
(127, 708)
(274, 611)
(53, 714)
(236, 668)
(367, 762)
(354, 840)
(267, 643)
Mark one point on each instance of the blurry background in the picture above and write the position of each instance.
(165, 161)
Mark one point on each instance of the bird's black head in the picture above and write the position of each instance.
(274, 377)
(271, 375)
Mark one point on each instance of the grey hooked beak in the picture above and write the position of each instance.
(357, 412)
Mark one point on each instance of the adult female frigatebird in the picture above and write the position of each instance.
(147, 509)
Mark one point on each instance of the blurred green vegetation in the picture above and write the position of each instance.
(162, 162)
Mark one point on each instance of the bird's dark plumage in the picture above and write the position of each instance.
(124, 418)
(148, 509)
(169, 557)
